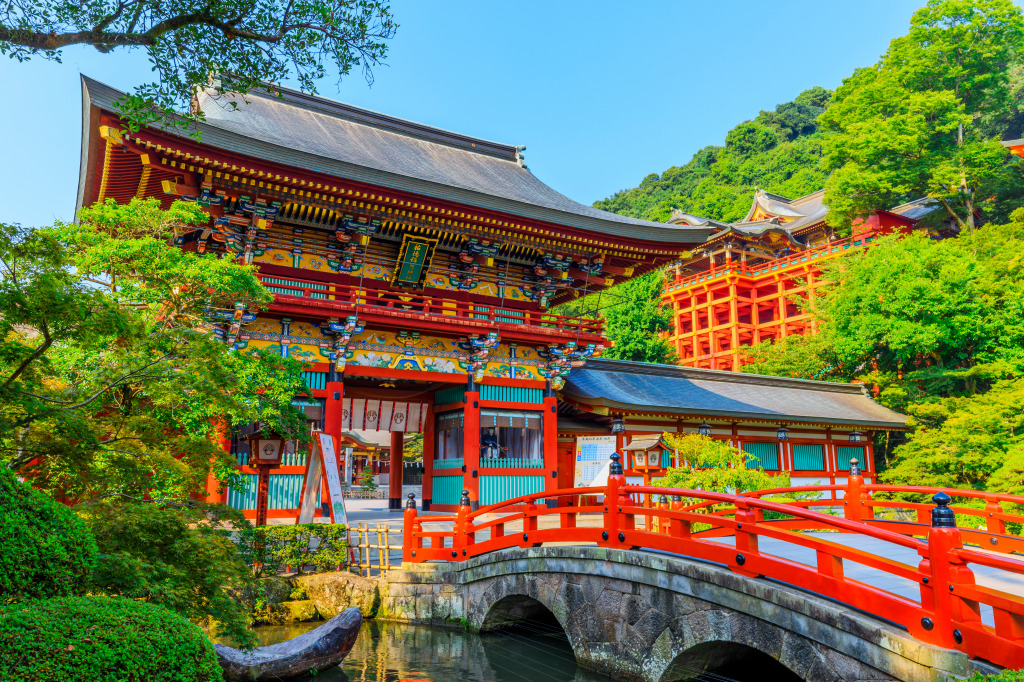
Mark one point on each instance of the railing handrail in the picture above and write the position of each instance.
(947, 613)
(370, 298)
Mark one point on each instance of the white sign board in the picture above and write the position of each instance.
(322, 462)
(592, 461)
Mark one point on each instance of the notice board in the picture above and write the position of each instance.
(592, 461)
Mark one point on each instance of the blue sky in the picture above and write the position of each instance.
(601, 93)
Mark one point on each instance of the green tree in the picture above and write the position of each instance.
(708, 464)
(176, 554)
(922, 121)
(110, 382)
(231, 46)
(934, 329)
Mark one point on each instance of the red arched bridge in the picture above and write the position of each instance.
(891, 531)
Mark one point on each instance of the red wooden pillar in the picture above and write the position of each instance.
(429, 445)
(214, 494)
(397, 469)
(550, 440)
(471, 444)
(333, 408)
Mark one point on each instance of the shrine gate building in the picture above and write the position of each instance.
(413, 269)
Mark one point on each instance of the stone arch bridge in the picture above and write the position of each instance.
(658, 618)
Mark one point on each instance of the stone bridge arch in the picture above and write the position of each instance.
(647, 617)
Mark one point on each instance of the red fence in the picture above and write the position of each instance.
(947, 611)
(345, 298)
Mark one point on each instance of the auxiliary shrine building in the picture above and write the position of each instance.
(741, 286)
(413, 269)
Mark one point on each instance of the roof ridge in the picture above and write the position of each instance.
(376, 119)
(724, 375)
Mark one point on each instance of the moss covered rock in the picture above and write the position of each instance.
(336, 591)
(45, 549)
(102, 638)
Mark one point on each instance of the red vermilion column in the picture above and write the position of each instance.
(213, 493)
(550, 426)
(471, 444)
(429, 445)
(333, 408)
(395, 475)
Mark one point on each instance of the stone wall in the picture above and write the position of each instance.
(651, 617)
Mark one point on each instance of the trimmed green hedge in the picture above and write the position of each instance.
(45, 549)
(86, 639)
(269, 549)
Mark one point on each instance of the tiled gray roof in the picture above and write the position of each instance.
(669, 389)
(324, 136)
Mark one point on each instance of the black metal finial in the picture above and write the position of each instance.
(663, 500)
(411, 502)
(854, 467)
(942, 515)
(677, 498)
(464, 502)
(616, 467)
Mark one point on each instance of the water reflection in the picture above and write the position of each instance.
(395, 652)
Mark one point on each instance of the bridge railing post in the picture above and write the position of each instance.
(678, 528)
(614, 500)
(854, 507)
(663, 520)
(461, 530)
(746, 540)
(942, 573)
(412, 540)
(992, 523)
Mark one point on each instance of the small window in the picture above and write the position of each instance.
(511, 438)
(808, 456)
(762, 455)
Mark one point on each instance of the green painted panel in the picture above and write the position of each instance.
(291, 283)
(844, 453)
(455, 394)
(666, 458)
(244, 499)
(315, 379)
(447, 490)
(762, 455)
(512, 394)
(415, 257)
(448, 463)
(284, 491)
(808, 456)
(494, 489)
(511, 463)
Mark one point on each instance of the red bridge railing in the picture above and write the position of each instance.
(948, 608)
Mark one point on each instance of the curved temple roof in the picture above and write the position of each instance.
(668, 389)
(337, 139)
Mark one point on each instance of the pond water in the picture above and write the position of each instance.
(396, 652)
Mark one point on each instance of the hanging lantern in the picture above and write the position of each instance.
(782, 433)
(856, 437)
(618, 426)
(704, 429)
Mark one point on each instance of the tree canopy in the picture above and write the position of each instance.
(228, 45)
(927, 119)
(109, 380)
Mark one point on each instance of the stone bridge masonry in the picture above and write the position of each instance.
(649, 617)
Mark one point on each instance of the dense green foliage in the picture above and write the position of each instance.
(271, 549)
(109, 381)
(179, 555)
(927, 119)
(779, 151)
(244, 42)
(634, 316)
(934, 327)
(102, 638)
(45, 550)
(708, 464)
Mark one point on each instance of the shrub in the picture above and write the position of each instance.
(272, 548)
(102, 638)
(45, 550)
(177, 554)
